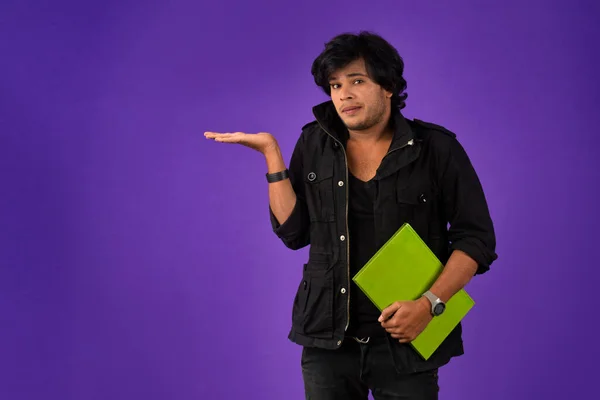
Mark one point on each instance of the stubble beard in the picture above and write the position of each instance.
(369, 121)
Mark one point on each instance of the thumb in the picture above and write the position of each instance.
(388, 311)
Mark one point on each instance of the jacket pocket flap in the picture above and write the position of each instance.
(414, 195)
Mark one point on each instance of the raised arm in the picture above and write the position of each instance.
(288, 211)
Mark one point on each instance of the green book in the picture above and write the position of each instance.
(403, 269)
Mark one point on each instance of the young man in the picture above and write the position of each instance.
(357, 173)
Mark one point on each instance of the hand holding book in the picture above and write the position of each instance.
(405, 320)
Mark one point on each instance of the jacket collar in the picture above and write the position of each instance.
(329, 120)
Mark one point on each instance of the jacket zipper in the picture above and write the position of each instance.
(347, 233)
(409, 143)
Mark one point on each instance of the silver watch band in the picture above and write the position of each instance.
(433, 299)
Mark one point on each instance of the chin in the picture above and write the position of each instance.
(356, 126)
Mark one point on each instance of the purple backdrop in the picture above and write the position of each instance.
(136, 258)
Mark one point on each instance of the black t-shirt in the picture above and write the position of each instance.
(361, 225)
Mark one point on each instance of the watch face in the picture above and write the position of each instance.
(439, 308)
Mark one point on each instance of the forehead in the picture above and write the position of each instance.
(354, 68)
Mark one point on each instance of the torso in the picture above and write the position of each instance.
(364, 159)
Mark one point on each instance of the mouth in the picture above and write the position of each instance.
(350, 110)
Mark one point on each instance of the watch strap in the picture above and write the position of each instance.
(433, 299)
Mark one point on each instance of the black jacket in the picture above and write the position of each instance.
(426, 179)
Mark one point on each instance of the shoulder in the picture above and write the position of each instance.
(434, 135)
(310, 128)
(429, 128)
(310, 125)
(307, 140)
(311, 134)
(441, 141)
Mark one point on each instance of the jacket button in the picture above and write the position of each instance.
(341, 183)
(343, 290)
(423, 198)
(312, 176)
(339, 342)
(336, 144)
(342, 238)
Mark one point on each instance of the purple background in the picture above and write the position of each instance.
(136, 258)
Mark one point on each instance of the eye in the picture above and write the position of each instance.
(358, 80)
(334, 85)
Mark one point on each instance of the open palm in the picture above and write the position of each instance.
(261, 141)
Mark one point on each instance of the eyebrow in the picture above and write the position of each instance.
(350, 75)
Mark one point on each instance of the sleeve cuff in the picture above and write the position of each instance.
(478, 252)
(292, 227)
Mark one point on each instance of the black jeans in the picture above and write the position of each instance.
(351, 371)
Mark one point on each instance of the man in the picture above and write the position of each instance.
(357, 173)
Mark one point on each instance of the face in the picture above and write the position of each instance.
(360, 102)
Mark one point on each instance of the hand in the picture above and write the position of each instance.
(408, 319)
(262, 141)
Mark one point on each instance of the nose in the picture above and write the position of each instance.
(345, 93)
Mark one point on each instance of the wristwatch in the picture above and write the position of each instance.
(437, 305)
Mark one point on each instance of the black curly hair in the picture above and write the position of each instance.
(384, 64)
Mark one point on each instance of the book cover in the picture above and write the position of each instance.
(403, 269)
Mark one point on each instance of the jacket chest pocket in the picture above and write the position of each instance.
(415, 206)
(319, 184)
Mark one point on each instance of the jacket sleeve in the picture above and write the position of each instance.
(295, 231)
(471, 228)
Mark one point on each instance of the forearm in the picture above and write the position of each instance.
(458, 271)
(282, 197)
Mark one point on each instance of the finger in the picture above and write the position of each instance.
(390, 323)
(397, 329)
(388, 312)
(222, 134)
(226, 138)
(397, 319)
(211, 135)
(401, 337)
